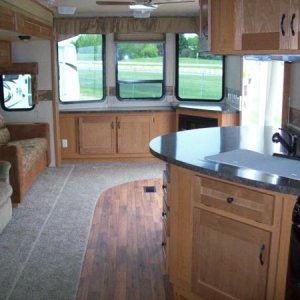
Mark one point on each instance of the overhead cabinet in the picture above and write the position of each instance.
(250, 27)
(26, 17)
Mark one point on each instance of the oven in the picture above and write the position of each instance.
(186, 122)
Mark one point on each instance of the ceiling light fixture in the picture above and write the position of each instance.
(142, 7)
(66, 10)
(141, 13)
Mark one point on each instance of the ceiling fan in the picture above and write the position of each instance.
(141, 8)
(147, 3)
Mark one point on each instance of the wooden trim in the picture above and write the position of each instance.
(57, 146)
(261, 41)
(20, 68)
(285, 96)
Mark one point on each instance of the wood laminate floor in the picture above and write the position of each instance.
(124, 258)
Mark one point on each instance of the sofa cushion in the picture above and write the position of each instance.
(2, 122)
(4, 136)
(4, 170)
(32, 149)
(5, 192)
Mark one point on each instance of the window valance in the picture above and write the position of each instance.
(69, 27)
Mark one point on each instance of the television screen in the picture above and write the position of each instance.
(16, 91)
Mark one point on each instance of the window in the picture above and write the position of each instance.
(81, 68)
(140, 70)
(16, 91)
(198, 76)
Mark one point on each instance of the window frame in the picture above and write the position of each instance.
(163, 81)
(103, 75)
(177, 77)
(2, 94)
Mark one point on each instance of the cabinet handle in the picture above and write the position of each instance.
(230, 200)
(292, 24)
(261, 253)
(112, 125)
(281, 25)
(118, 124)
(163, 244)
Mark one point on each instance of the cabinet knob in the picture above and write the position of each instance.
(163, 214)
(281, 24)
(164, 187)
(229, 200)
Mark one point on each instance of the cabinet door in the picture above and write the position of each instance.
(133, 134)
(163, 123)
(32, 27)
(262, 24)
(97, 134)
(230, 259)
(223, 26)
(7, 20)
(294, 24)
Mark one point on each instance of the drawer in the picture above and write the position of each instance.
(242, 201)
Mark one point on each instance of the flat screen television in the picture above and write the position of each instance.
(16, 91)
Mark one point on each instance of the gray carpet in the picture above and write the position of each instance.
(42, 248)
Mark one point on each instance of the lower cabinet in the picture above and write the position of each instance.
(111, 135)
(230, 259)
(226, 240)
(97, 134)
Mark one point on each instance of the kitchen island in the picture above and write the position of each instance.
(228, 227)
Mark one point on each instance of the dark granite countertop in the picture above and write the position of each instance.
(119, 109)
(188, 149)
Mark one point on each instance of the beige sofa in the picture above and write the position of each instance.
(27, 147)
(5, 194)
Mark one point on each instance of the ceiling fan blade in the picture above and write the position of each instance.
(115, 2)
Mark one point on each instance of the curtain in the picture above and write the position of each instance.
(69, 27)
(262, 92)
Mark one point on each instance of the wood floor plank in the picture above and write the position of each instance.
(123, 259)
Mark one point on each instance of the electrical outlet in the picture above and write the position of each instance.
(64, 143)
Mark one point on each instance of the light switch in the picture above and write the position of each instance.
(64, 143)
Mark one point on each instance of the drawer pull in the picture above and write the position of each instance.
(261, 253)
(292, 24)
(229, 200)
(282, 25)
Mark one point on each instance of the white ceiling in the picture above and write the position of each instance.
(86, 8)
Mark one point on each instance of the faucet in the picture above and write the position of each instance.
(290, 145)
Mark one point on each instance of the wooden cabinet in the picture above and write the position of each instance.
(97, 134)
(226, 240)
(223, 26)
(271, 25)
(230, 259)
(32, 27)
(7, 19)
(5, 53)
(133, 133)
(111, 135)
(26, 17)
